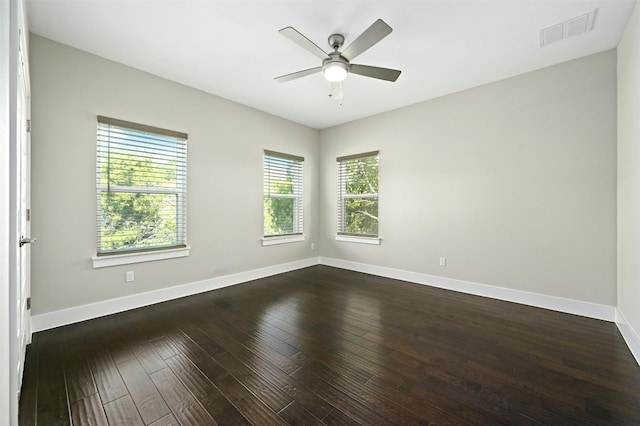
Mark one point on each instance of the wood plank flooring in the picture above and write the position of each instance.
(325, 346)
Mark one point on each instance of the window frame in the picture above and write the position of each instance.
(297, 196)
(141, 254)
(343, 196)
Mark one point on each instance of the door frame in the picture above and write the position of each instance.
(6, 406)
(12, 23)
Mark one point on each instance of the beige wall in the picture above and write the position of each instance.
(629, 173)
(226, 141)
(513, 182)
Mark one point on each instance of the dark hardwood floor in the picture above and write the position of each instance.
(327, 346)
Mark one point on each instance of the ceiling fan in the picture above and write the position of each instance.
(337, 65)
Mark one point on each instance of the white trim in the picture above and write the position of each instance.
(554, 303)
(147, 256)
(94, 310)
(270, 241)
(576, 307)
(630, 336)
(8, 388)
(356, 239)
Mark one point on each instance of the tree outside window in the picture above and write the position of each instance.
(141, 187)
(358, 195)
(283, 199)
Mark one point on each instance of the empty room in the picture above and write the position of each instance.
(320, 212)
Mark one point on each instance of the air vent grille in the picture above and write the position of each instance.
(570, 28)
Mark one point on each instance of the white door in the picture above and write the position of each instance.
(23, 118)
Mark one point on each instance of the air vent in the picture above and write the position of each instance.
(569, 28)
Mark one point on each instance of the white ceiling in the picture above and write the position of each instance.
(233, 49)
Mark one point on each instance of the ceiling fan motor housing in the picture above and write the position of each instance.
(336, 41)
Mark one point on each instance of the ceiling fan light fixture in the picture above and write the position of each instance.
(335, 71)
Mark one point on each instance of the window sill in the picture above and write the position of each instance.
(270, 241)
(126, 259)
(361, 240)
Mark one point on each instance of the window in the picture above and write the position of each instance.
(358, 196)
(283, 202)
(141, 180)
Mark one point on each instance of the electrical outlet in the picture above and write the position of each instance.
(443, 261)
(129, 276)
(313, 246)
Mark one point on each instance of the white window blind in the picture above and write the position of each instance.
(358, 195)
(141, 181)
(283, 200)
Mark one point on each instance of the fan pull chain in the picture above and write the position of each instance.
(336, 91)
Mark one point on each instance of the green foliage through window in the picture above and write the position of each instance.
(283, 201)
(358, 195)
(141, 186)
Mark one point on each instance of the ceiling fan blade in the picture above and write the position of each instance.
(372, 35)
(296, 37)
(298, 74)
(375, 72)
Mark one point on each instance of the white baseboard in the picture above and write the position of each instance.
(629, 334)
(94, 310)
(85, 312)
(591, 310)
(570, 306)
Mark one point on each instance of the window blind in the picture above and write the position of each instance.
(141, 181)
(283, 194)
(358, 194)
